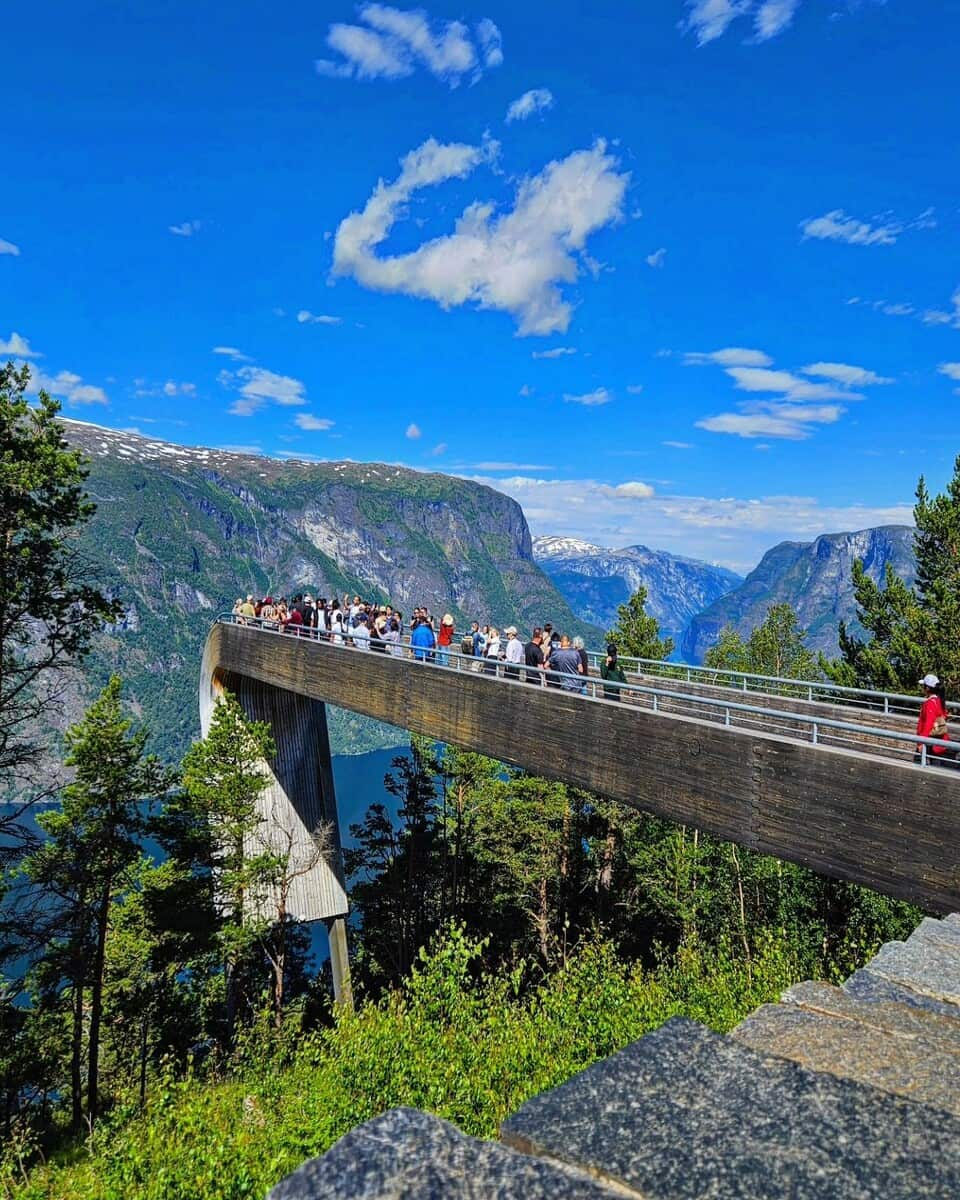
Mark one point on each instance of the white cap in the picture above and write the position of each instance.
(930, 681)
(511, 629)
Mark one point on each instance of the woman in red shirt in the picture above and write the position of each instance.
(444, 638)
(932, 722)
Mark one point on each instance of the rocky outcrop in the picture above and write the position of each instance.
(595, 581)
(815, 578)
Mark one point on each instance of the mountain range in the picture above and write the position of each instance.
(596, 580)
(815, 578)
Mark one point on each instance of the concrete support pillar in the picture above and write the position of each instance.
(340, 962)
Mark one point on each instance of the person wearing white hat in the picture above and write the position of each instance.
(514, 652)
(932, 722)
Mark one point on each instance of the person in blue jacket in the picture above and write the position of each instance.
(423, 641)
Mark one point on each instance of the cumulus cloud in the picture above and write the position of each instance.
(773, 17)
(735, 531)
(305, 317)
(950, 369)
(392, 43)
(68, 386)
(796, 405)
(844, 374)
(233, 353)
(732, 356)
(172, 388)
(657, 258)
(413, 431)
(515, 262)
(590, 399)
(18, 347)
(9, 248)
(185, 229)
(534, 101)
(311, 423)
(258, 386)
(556, 352)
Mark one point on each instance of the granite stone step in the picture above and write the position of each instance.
(921, 1068)
(932, 932)
(685, 1114)
(929, 967)
(900, 1019)
(866, 986)
(409, 1155)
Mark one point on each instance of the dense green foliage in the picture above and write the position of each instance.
(49, 605)
(776, 647)
(467, 1045)
(636, 633)
(912, 631)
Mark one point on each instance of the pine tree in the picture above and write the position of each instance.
(637, 634)
(224, 777)
(776, 647)
(911, 630)
(49, 606)
(93, 839)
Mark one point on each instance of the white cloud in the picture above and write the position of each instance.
(392, 44)
(678, 445)
(634, 490)
(845, 374)
(18, 347)
(68, 386)
(491, 42)
(534, 101)
(185, 229)
(258, 386)
(950, 369)
(305, 317)
(249, 450)
(311, 423)
(439, 449)
(634, 389)
(760, 379)
(836, 226)
(590, 399)
(708, 19)
(734, 531)
(657, 258)
(232, 352)
(556, 352)
(515, 262)
(732, 356)
(773, 17)
(171, 388)
(797, 405)
(526, 390)
(413, 431)
(9, 248)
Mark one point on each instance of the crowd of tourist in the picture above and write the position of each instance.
(548, 657)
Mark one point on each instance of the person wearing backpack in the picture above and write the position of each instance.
(932, 722)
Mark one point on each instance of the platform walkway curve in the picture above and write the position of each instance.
(861, 815)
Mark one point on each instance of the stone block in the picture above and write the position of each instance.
(685, 1114)
(866, 986)
(409, 1155)
(920, 1068)
(929, 967)
(890, 1016)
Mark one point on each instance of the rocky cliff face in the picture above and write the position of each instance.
(595, 581)
(180, 533)
(814, 577)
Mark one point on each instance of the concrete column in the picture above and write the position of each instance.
(340, 962)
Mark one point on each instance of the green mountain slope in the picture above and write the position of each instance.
(180, 532)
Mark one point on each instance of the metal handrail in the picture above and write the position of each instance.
(590, 688)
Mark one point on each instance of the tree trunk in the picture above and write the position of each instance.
(96, 1006)
(76, 1056)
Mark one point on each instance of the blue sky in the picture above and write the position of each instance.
(678, 273)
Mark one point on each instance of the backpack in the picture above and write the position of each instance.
(466, 646)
